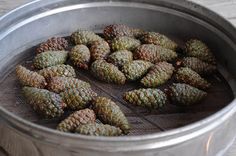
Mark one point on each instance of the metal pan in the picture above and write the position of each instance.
(34, 22)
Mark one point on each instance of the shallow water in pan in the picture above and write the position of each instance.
(143, 121)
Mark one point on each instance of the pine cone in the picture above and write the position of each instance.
(30, 78)
(85, 37)
(53, 44)
(50, 58)
(99, 50)
(158, 39)
(119, 58)
(107, 72)
(158, 74)
(198, 66)
(188, 76)
(58, 70)
(44, 102)
(198, 49)
(76, 119)
(184, 95)
(136, 69)
(78, 98)
(80, 56)
(124, 43)
(154, 53)
(95, 129)
(148, 98)
(110, 113)
(60, 84)
(138, 33)
(117, 30)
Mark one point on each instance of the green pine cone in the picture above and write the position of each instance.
(50, 58)
(158, 39)
(117, 30)
(158, 74)
(154, 53)
(78, 98)
(136, 69)
(44, 102)
(137, 33)
(124, 43)
(184, 95)
(188, 76)
(148, 98)
(198, 49)
(99, 50)
(30, 78)
(96, 129)
(198, 66)
(80, 56)
(77, 118)
(110, 113)
(119, 58)
(85, 37)
(58, 70)
(60, 84)
(107, 72)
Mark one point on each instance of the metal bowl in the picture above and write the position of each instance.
(32, 23)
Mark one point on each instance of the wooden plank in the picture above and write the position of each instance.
(209, 3)
(233, 21)
(6, 5)
(227, 10)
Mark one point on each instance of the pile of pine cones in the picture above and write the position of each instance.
(120, 55)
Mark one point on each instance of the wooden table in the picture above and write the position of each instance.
(226, 8)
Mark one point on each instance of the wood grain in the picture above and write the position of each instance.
(226, 8)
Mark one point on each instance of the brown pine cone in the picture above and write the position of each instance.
(77, 118)
(53, 44)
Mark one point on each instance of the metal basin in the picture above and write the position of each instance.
(34, 22)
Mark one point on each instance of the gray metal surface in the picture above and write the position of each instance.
(175, 18)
